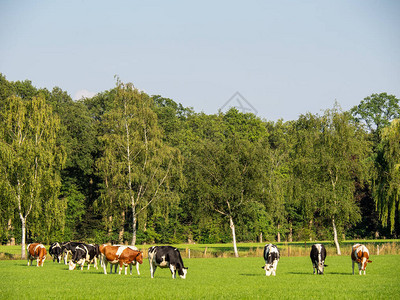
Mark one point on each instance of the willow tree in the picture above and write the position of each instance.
(135, 165)
(342, 158)
(30, 161)
(387, 182)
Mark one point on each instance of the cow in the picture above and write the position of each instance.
(121, 255)
(166, 257)
(68, 248)
(360, 254)
(84, 253)
(318, 255)
(271, 257)
(36, 251)
(130, 266)
(55, 252)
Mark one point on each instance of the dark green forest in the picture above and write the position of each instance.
(127, 167)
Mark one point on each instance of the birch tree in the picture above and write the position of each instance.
(136, 164)
(30, 161)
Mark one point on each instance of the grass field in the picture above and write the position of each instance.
(208, 278)
(249, 249)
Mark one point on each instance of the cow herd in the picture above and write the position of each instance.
(359, 254)
(165, 257)
(115, 255)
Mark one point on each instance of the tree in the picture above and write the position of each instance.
(30, 162)
(387, 186)
(376, 111)
(342, 157)
(136, 165)
(227, 165)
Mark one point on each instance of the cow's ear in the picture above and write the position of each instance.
(370, 261)
(262, 267)
(325, 265)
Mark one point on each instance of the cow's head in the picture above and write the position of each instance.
(182, 272)
(78, 258)
(139, 258)
(268, 269)
(364, 262)
(320, 269)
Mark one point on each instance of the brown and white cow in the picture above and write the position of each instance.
(360, 254)
(36, 251)
(121, 255)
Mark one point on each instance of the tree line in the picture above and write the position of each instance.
(124, 166)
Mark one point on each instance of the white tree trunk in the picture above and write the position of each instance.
(23, 237)
(232, 225)
(335, 237)
(134, 227)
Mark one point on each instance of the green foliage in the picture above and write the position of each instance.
(30, 161)
(144, 167)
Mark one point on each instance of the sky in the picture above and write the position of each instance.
(277, 59)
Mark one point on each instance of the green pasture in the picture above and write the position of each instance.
(249, 249)
(208, 278)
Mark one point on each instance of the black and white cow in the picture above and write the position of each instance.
(166, 257)
(318, 255)
(271, 257)
(55, 252)
(68, 248)
(84, 253)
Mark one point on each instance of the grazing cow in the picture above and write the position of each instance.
(121, 255)
(55, 251)
(84, 253)
(360, 254)
(271, 257)
(68, 248)
(318, 255)
(36, 251)
(130, 266)
(166, 257)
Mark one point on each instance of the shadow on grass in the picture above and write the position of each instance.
(252, 275)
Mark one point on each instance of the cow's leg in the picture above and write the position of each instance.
(95, 263)
(173, 271)
(37, 262)
(120, 268)
(126, 270)
(152, 269)
(44, 258)
(105, 262)
(137, 268)
(353, 265)
(130, 268)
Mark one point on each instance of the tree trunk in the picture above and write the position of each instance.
(290, 238)
(278, 237)
(134, 227)
(122, 230)
(232, 225)
(109, 228)
(335, 237)
(23, 237)
(261, 239)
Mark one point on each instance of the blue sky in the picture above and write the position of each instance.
(285, 58)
